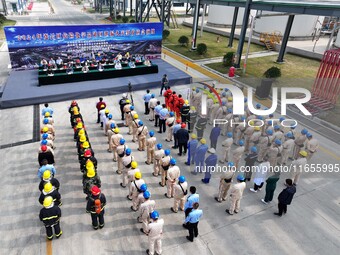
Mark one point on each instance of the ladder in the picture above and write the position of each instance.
(173, 19)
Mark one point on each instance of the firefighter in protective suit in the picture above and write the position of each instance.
(50, 216)
(96, 206)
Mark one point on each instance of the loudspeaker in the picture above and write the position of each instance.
(263, 91)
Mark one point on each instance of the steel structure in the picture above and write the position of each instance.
(161, 7)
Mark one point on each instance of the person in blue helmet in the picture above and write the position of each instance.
(236, 193)
(155, 234)
(192, 145)
(210, 164)
(250, 162)
(200, 156)
(299, 142)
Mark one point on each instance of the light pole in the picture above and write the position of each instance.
(252, 20)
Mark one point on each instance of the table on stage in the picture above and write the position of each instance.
(60, 75)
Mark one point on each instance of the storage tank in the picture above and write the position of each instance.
(337, 41)
(303, 25)
(222, 16)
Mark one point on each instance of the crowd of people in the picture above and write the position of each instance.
(262, 142)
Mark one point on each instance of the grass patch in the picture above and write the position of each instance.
(215, 49)
(296, 71)
(6, 23)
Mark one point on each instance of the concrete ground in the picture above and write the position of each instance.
(311, 226)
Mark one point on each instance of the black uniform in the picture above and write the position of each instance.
(88, 182)
(46, 155)
(250, 162)
(183, 138)
(81, 153)
(70, 110)
(74, 119)
(91, 208)
(54, 194)
(185, 113)
(51, 218)
(285, 198)
(55, 183)
(192, 120)
(200, 126)
(83, 163)
(122, 103)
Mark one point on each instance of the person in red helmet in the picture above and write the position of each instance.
(182, 138)
(45, 152)
(88, 156)
(96, 207)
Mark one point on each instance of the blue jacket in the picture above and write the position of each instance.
(194, 216)
(211, 160)
(201, 150)
(215, 132)
(191, 199)
(192, 145)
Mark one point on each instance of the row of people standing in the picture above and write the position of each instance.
(50, 197)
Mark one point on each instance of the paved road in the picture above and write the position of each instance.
(311, 226)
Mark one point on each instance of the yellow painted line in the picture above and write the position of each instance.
(48, 247)
(220, 79)
(333, 155)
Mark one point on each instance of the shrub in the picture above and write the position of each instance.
(125, 19)
(272, 73)
(2, 18)
(202, 48)
(183, 40)
(119, 17)
(165, 34)
(132, 21)
(228, 59)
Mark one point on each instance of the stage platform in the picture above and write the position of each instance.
(22, 86)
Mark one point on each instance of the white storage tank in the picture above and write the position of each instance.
(303, 25)
(222, 16)
(337, 41)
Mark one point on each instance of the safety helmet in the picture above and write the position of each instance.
(231, 164)
(135, 116)
(251, 123)
(146, 194)
(309, 135)
(289, 135)
(82, 138)
(134, 164)
(154, 215)
(45, 121)
(122, 141)
(229, 134)
(152, 95)
(172, 161)
(107, 111)
(79, 125)
(281, 119)
(151, 133)
(278, 142)
(46, 175)
(224, 103)
(112, 125)
(102, 106)
(128, 151)
(193, 136)
(253, 149)
(186, 102)
(109, 116)
(43, 142)
(303, 153)
(304, 131)
(240, 177)
(269, 132)
(183, 125)
(143, 187)
(48, 187)
(47, 201)
(271, 115)
(140, 123)
(81, 132)
(259, 117)
(230, 99)
(44, 136)
(193, 108)
(258, 106)
(270, 122)
(230, 110)
(203, 141)
(86, 144)
(47, 114)
(159, 146)
(128, 101)
(257, 128)
(181, 179)
(95, 190)
(44, 129)
(197, 90)
(245, 100)
(87, 153)
(138, 175)
(73, 103)
(132, 107)
(241, 142)
(242, 118)
(167, 152)
(116, 130)
(178, 121)
(43, 148)
(90, 172)
(171, 114)
(276, 127)
(124, 95)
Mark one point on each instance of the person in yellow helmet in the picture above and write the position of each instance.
(135, 127)
(50, 190)
(298, 166)
(114, 143)
(184, 110)
(254, 138)
(135, 187)
(89, 180)
(48, 177)
(50, 215)
(124, 105)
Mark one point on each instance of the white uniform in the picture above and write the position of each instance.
(180, 191)
(172, 177)
(226, 144)
(155, 234)
(298, 167)
(144, 213)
